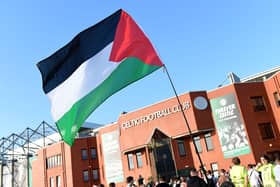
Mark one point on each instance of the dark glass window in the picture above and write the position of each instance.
(95, 174)
(84, 154)
(266, 131)
(208, 142)
(181, 147)
(58, 181)
(93, 153)
(139, 160)
(130, 161)
(258, 103)
(277, 98)
(197, 143)
(51, 181)
(85, 176)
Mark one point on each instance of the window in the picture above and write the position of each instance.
(215, 169)
(95, 174)
(266, 131)
(208, 142)
(49, 162)
(85, 176)
(181, 147)
(258, 103)
(93, 153)
(58, 160)
(58, 181)
(139, 160)
(277, 98)
(130, 161)
(51, 182)
(84, 154)
(53, 161)
(197, 143)
(214, 166)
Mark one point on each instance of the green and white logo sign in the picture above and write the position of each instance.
(231, 130)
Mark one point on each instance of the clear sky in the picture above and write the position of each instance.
(199, 41)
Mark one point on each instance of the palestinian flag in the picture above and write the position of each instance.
(97, 63)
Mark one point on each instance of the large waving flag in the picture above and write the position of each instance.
(97, 63)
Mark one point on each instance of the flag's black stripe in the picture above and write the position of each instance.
(60, 65)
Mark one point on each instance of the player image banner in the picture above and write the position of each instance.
(231, 130)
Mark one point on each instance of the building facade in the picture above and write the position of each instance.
(60, 165)
(164, 139)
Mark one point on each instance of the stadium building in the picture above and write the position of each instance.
(239, 119)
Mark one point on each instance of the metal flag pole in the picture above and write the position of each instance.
(188, 126)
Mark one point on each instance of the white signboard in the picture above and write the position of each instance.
(112, 157)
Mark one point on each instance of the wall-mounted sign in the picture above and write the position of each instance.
(231, 130)
(200, 103)
(112, 157)
(155, 115)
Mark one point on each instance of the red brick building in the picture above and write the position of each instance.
(60, 165)
(241, 119)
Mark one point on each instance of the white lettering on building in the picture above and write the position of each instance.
(225, 111)
(155, 115)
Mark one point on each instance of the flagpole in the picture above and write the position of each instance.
(188, 126)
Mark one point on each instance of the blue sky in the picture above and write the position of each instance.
(199, 41)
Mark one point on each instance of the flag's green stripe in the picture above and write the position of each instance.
(129, 71)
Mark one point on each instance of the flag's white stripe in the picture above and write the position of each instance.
(86, 78)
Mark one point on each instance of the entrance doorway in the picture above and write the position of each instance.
(163, 158)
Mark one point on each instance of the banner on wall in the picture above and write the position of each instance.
(231, 130)
(112, 157)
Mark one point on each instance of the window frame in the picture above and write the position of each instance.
(266, 131)
(197, 142)
(84, 156)
(139, 159)
(208, 136)
(258, 103)
(130, 161)
(181, 144)
(59, 160)
(52, 181)
(276, 96)
(93, 156)
(53, 161)
(215, 168)
(85, 176)
(58, 181)
(95, 175)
